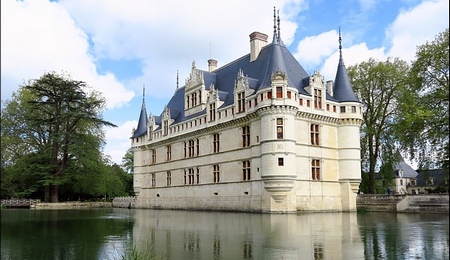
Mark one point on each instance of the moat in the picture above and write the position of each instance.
(109, 233)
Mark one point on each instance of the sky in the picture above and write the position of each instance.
(118, 47)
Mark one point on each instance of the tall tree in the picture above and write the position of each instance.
(423, 124)
(57, 118)
(379, 85)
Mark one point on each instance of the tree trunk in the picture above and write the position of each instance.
(55, 190)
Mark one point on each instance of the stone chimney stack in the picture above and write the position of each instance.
(330, 87)
(212, 65)
(257, 41)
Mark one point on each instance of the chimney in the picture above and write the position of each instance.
(212, 65)
(330, 87)
(257, 41)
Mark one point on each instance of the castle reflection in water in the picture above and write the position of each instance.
(227, 235)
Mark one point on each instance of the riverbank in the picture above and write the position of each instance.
(71, 205)
(432, 203)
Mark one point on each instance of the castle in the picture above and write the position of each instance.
(257, 135)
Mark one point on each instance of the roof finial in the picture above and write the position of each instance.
(340, 42)
(341, 61)
(274, 25)
(177, 79)
(279, 33)
(143, 94)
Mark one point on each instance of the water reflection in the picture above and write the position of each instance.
(405, 236)
(219, 235)
(114, 233)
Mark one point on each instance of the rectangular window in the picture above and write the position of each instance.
(318, 98)
(246, 170)
(169, 178)
(198, 176)
(314, 134)
(280, 128)
(185, 149)
(153, 180)
(289, 94)
(279, 92)
(261, 97)
(280, 161)
(241, 102)
(245, 136)
(212, 111)
(308, 103)
(166, 127)
(249, 104)
(343, 109)
(315, 169)
(353, 109)
(216, 173)
(216, 143)
(191, 148)
(169, 153)
(191, 176)
(269, 95)
(334, 109)
(328, 107)
(153, 156)
(198, 147)
(300, 101)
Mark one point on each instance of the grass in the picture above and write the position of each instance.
(148, 253)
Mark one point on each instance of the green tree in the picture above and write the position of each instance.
(423, 122)
(128, 161)
(379, 85)
(57, 120)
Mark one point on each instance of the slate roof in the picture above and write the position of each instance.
(142, 123)
(439, 176)
(272, 58)
(408, 171)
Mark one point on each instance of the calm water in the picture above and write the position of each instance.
(113, 233)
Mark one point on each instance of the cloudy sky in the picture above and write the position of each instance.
(118, 46)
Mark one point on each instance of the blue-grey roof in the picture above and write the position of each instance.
(142, 123)
(342, 88)
(439, 176)
(272, 58)
(408, 171)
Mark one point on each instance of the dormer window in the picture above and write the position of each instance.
(318, 98)
(241, 102)
(279, 92)
(212, 111)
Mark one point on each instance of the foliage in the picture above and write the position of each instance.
(379, 85)
(423, 122)
(51, 131)
(128, 161)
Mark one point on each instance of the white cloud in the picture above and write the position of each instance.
(40, 36)
(415, 26)
(313, 49)
(118, 140)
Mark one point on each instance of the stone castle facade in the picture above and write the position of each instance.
(258, 135)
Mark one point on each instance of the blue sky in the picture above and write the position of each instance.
(117, 47)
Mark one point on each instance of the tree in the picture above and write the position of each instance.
(57, 119)
(423, 123)
(379, 85)
(128, 161)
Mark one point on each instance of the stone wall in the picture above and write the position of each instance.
(436, 203)
(124, 202)
(71, 205)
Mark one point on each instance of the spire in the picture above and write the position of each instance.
(341, 60)
(279, 28)
(143, 95)
(143, 119)
(274, 26)
(177, 79)
(342, 88)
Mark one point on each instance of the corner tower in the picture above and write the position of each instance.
(349, 147)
